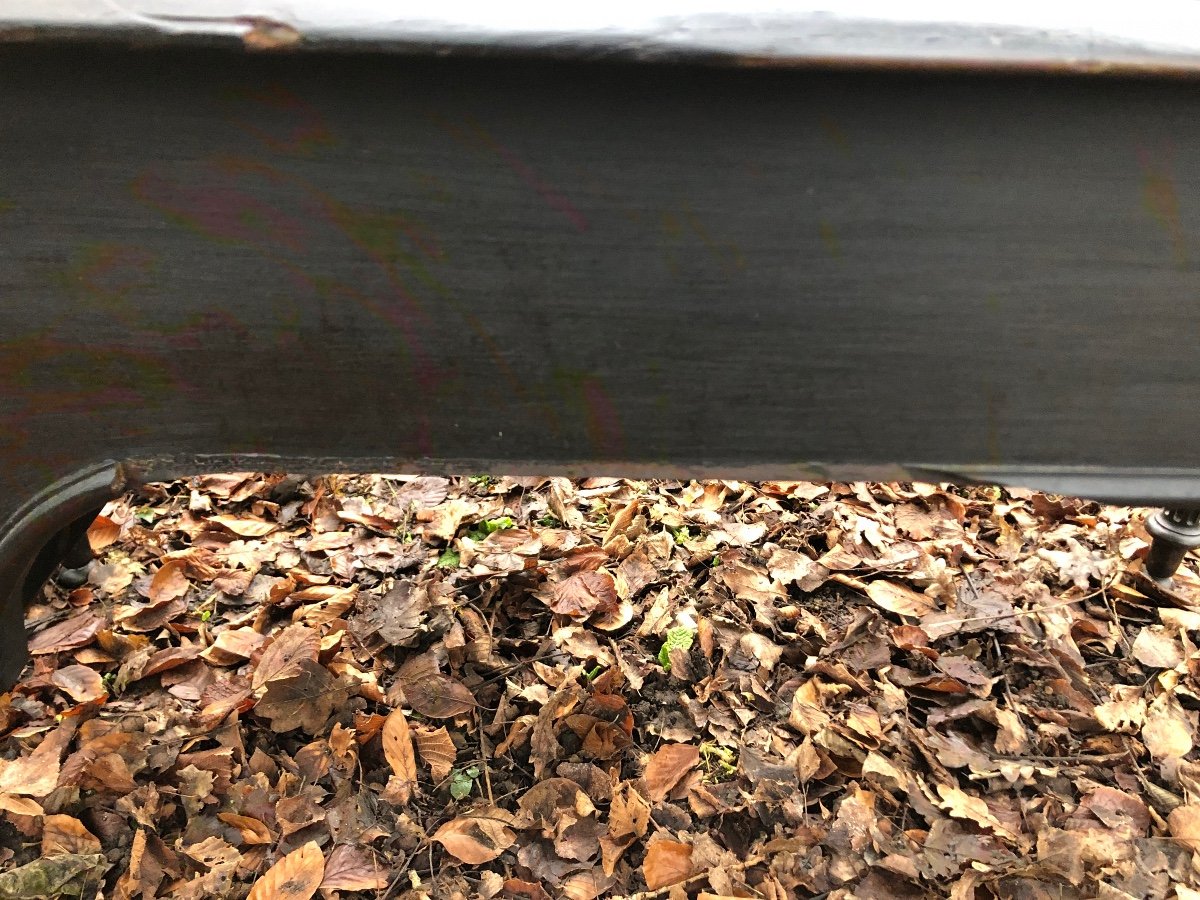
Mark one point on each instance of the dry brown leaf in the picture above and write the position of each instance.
(1184, 825)
(438, 696)
(169, 582)
(70, 634)
(21, 806)
(80, 683)
(232, 646)
(478, 837)
(246, 527)
(584, 593)
(355, 869)
(284, 655)
(1169, 729)
(36, 775)
(102, 533)
(667, 767)
(296, 876)
(962, 805)
(398, 750)
(667, 863)
(304, 700)
(252, 830)
(1156, 648)
(586, 885)
(436, 749)
(66, 834)
(899, 599)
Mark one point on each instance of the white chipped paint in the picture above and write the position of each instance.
(1150, 33)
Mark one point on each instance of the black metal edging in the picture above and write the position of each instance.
(27, 531)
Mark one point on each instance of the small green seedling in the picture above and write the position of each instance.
(719, 763)
(462, 781)
(681, 535)
(490, 526)
(449, 559)
(595, 673)
(677, 639)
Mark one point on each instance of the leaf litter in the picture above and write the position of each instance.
(421, 687)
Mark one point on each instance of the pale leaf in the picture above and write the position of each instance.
(294, 877)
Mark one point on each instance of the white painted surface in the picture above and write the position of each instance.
(1155, 33)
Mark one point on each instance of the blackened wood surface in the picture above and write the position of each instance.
(369, 262)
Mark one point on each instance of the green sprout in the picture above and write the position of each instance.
(595, 673)
(462, 781)
(719, 763)
(490, 526)
(449, 559)
(677, 639)
(482, 481)
(681, 535)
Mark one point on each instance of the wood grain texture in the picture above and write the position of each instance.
(372, 262)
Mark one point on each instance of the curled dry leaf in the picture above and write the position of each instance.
(252, 830)
(81, 683)
(667, 863)
(169, 582)
(398, 751)
(478, 837)
(102, 533)
(294, 877)
(436, 749)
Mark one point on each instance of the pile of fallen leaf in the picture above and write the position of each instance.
(384, 686)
